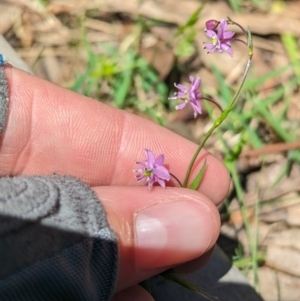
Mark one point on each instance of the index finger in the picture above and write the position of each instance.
(53, 130)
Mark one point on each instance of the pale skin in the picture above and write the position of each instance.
(53, 130)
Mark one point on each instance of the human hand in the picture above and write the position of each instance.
(53, 130)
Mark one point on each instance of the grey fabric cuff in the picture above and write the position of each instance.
(55, 243)
(3, 98)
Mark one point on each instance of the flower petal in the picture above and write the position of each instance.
(210, 33)
(162, 173)
(144, 163)
(222, 29)
(162, 183)
(197, 108)
(150, 158)
(227, 48)
(181, 106)
(199, 96)
(196, 84)
(159, 160)
(181, 87)
(228, 34)
(211, 47)
(181, 95)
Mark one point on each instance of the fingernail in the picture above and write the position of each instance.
(172, 232)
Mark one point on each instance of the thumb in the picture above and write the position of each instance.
(158, 229)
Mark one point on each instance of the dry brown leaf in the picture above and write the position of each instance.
(277, 210)
(277, 286)
(260, 184)
(8, 17)
(52, 68)
(288, 238)
(286, 260)
(160, 57)
(266, 24)
(293, 216)
(293, 112)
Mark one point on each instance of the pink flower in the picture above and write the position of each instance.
(191, 95)
(153, 170)
(220, 39)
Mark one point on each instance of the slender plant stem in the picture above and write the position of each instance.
(178, 181)
(207, 135)
(214, 102)
(237, 93)
(239, 40)
(254, 246)
(229, 21)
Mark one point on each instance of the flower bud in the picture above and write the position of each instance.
(211, 24)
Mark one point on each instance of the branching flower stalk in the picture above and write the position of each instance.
(228, 109)
(153, 169)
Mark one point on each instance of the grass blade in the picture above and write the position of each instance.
(196, 183)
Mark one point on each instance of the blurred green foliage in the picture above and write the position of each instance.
(125, 80)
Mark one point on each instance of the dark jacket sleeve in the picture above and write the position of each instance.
(55, 243)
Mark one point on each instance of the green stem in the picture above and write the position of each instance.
(240, 198)
(216, 124)
(237, 93)
(254, 248)
(170, 275)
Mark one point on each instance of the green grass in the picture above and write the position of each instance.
(237, 5)
(124, 80)
(121, 77)
(253, 106)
